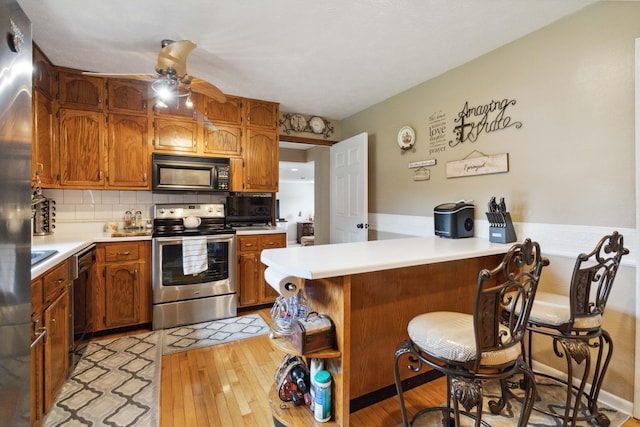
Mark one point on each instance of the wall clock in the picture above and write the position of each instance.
(406, 138)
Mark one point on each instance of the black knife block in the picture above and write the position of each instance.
(501, 227)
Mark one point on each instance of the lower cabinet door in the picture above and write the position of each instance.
(56, 347)
(122, 295)
(37, 372)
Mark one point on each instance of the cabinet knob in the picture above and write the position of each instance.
(124, 253)
(144, 177)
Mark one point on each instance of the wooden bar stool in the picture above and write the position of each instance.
(575, 325)
(471, 349)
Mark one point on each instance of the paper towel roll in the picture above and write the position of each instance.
(286, 285)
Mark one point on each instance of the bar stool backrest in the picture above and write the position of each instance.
(504, 297)
(593, 277)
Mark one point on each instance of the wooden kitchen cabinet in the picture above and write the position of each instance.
(44, 148)
(82, 149)
(44, 73)
(37, 353)
(127, 96)
(252, 288)
(56, 346)
(262, 114)
(123, 286)
(228, 113)
(175, 135)
(261, 157)
(226, 141)
(50, 311)
(77, 90)
(128, 162)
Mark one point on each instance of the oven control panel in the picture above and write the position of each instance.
(169, 211)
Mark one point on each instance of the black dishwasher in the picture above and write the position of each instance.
(81, 302)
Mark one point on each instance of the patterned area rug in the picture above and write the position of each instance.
(550, 394)
(116, 383)
(211, 333)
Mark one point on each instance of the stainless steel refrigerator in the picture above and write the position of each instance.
(15, 213)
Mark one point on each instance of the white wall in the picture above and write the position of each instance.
(296, 204)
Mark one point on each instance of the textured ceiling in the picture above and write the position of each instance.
(331, 57)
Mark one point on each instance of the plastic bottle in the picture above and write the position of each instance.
(314, 366)
(322, 403)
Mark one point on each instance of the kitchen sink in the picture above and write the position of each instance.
(38, 256)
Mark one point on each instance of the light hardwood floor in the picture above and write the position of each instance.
(228, 384)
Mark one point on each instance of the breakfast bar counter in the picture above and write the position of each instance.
(371, 290)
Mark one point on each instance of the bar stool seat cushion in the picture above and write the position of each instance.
(450, 336)
(553, 310)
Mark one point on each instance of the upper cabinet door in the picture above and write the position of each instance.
(177, 135)
(80, 91)
(262, 114)
(229, 113)
(82, 156)
(44, 149)
(261, 158)
(127, 96)
(128, 159)
(44, 74)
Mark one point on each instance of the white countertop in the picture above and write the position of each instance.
(67, 244)
(258, 229)
(320, 261)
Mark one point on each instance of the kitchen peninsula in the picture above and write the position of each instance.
(371, 290)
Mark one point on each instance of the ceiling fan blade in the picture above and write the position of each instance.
(123, 75)
(174, 55)
(207, 89)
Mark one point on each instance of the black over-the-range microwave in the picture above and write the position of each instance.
(189, 173)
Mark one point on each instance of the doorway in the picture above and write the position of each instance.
(295, 199)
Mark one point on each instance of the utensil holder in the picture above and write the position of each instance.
(501, 227)
(44, 216)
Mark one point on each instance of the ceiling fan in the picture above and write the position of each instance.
(171, 78)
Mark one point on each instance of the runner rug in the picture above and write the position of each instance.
(210, 333)
(550, 397)
(116, 383)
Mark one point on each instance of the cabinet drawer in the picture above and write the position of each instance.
(37, 295)
(122, 252)
(248, 243)
(54, 281)
(272, 241)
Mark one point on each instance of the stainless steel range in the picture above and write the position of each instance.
(194, 268)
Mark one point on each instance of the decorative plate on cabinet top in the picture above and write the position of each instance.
(298, 122)
(317, 124)
(406, 137)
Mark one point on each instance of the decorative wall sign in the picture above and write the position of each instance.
(299, 123)
(480, 165)
(422, 163)
(437, 132)
(421, 174)
(474, 121)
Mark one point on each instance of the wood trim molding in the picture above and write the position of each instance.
(301, 140)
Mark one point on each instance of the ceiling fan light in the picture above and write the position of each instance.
(189, 103)
(161, 104)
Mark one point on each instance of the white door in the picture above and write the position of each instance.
(349, 190)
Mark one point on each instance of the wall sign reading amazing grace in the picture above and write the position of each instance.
(474, 121)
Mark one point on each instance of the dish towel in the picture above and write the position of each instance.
(194, 254)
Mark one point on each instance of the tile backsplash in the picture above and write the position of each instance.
(110, 205)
